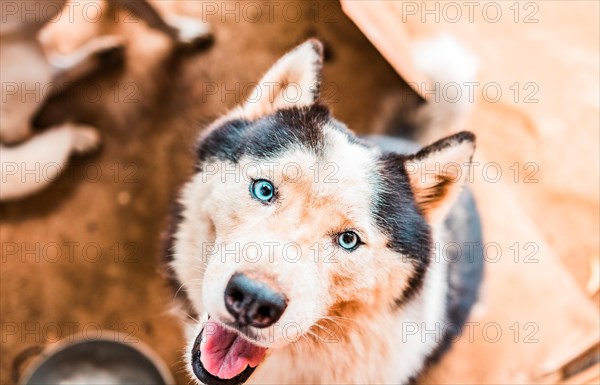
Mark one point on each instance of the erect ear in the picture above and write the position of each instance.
(291, 82)
(438, 172)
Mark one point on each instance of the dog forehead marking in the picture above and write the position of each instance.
(269, 136)
(335, 182)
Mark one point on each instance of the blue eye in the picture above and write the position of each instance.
(262, 190)
(349, 240)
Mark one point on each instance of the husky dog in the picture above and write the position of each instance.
(306, 255)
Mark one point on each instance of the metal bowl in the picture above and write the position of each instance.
(100, 361)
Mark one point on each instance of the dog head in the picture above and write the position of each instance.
(292, 222)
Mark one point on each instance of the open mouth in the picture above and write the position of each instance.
(223, 357)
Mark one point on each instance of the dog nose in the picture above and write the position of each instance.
(252, 302)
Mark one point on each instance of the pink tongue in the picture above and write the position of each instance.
(225, 354)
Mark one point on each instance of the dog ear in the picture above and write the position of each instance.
(438, 172)
(293, 81)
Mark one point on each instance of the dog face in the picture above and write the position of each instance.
(292, 222)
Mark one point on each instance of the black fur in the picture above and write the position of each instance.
(267, 136)
(463, 227)
(465, 271)
(452, 140)
(397, 214)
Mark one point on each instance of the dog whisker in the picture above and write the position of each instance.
(316, 336)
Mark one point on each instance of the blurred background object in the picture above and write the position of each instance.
(25, 69)
(30, 77)
(101, 361)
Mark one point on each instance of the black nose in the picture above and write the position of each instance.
(253, 302)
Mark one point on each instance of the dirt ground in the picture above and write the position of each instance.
(82, 256)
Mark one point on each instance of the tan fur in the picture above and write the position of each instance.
(437, 178)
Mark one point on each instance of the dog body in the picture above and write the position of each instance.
(25, 70)
(309, 255)
(30, 77)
